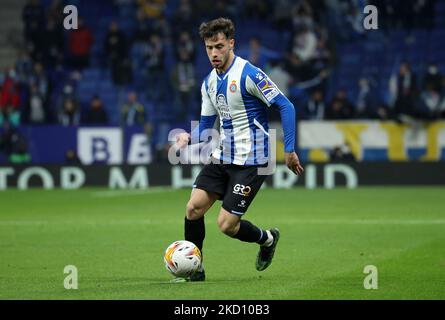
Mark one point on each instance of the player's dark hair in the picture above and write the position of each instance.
(210, 29)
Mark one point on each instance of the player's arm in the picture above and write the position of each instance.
(207, 120)
(287, 112)
(260, 85)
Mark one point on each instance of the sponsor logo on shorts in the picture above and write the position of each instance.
(242, 204)
(242, 190)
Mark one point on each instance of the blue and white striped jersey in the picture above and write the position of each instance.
(240, 97)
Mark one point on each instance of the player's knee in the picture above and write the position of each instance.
(227, 227)
(193, 211)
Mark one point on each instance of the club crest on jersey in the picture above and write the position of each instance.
(233, 86)
(268, 89)
(223, 107)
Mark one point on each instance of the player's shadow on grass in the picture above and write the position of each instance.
(207, 281)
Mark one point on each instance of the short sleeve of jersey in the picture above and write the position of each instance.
(207, 108)
(261, 86)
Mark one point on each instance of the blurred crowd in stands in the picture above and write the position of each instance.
(155, 60)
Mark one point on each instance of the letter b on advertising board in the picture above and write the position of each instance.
(102, 145)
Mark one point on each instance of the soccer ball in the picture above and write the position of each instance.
(182, 258)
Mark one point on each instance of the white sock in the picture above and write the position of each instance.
(269, 240)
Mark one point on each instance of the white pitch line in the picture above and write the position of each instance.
(179, 221)
(136, 192)
(366, 221)
(87, 223)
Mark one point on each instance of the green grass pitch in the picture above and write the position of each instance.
(116, 239)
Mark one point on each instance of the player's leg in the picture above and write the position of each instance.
(194, 228)
(209, 186)
(241, 229)
(243, 186)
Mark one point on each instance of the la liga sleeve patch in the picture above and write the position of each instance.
(268, 89)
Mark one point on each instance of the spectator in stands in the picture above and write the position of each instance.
(183, 80)
(256, 9)
(53, 42)
(340, 107)
(154, 56)
(429, 105)
(23, 66)
(14, 145)
(6, 138)
(33, 17)
(354, 16)
(315, 107)
(142, 27)
(116, 48)
(304, 44)
(279, 75)
(303, 51)
(442, 99)
(162, 27)
(68, 93)
(309, 56)
(152, 9)
(35, 108)
(39, 79)
(10, 98)
(80, 42)
(96, 114)
(368, 104)
(257, 54)
(282, 79)
(406, 92)
(183, 18)
(226, 8)
(159, 25)
(364, 99)
(69, 114)
(132, 112)
(432, 78)
(186, 43)
(282, 16)
(302, 16)
(55, 12)
(12, 115)
(325, 57)
(341, 153)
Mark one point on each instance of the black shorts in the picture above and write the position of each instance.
(236, 185)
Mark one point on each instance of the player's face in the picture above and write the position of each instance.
(219, 51)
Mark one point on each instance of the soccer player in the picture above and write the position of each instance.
(239, 93)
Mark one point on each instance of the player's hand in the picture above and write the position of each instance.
(293, 163)
(182, 140)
